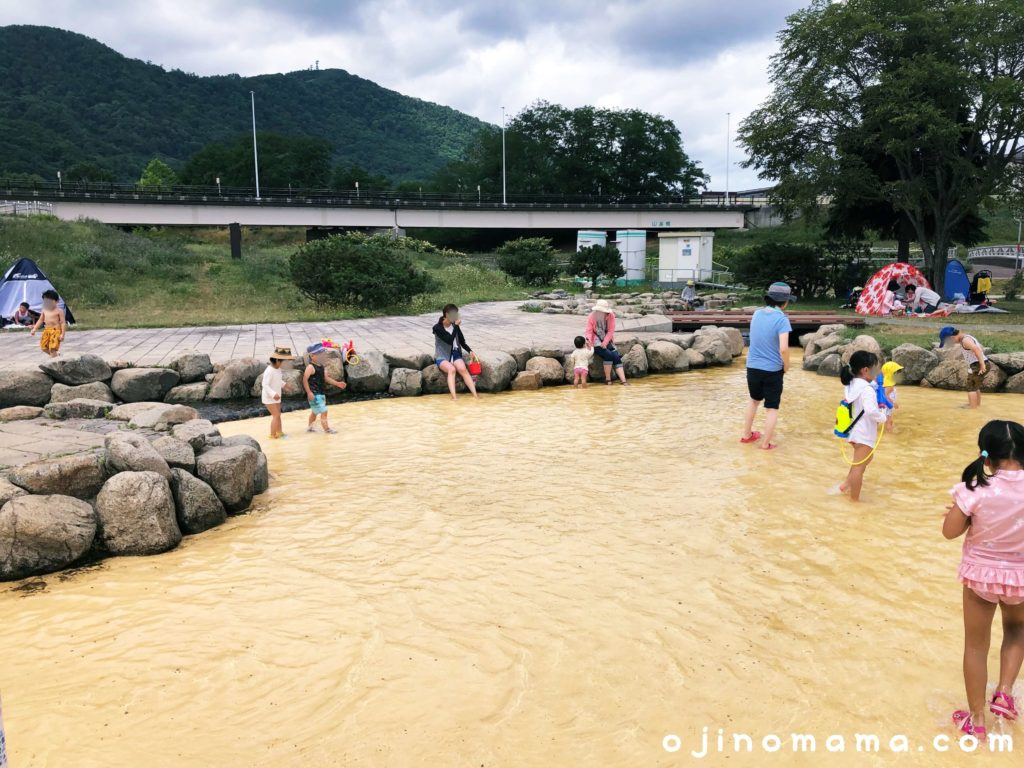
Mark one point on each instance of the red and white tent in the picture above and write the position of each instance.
(874, 290)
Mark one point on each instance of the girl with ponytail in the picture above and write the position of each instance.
(857, 377)
(989, 506)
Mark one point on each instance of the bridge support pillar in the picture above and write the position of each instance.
(236, 240)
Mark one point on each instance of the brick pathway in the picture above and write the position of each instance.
(492, 325)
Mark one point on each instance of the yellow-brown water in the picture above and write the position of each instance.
(559, 578)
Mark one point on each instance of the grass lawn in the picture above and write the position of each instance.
(891, 336)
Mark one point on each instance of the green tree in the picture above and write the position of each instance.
(340, 270)
(935, 86)
(301, 162)
(814, 271)
(584, 152)
(158, 175)
(597, 261)
(87, 171)
(531, 260)
(346, 175)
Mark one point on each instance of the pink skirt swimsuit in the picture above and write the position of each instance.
(993, 557)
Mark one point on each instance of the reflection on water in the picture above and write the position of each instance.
(541, 579)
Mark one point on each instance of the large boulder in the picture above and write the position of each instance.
(995, 378)
(496, 371)
(292, 384)
(525, 380)
(863, 343)
(695, 358)
(831, 365)
(80, 475)
(415, 361)
(261, 482)
(163, 417)
(20, 413)
(127, 452)
(9, 490)
(435, 382)
(625, 344)
(819, 344)
(97, 390)
(714, 347)
(1014, 384)
(197, 507)
(192, 366)
(188, 393)
(137, 515)
(252, 442)
(79, 408)
(134, 385)
(231, 472)
(177, 453)
(735, 338)
(811, 362)
(128, 411)
(235, 381)
(555, 353)
(24, 388)
(1011, 362)
(949, 374)
(520, 355)
(371, 375)
(41, 534)
(199, 433)
(664, 356)
(634, 362)
(917, 362)
(549, 368)
(406, 382)
(77, 369)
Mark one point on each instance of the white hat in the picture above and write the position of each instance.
(602, 305)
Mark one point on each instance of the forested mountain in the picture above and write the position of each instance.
(67, 99)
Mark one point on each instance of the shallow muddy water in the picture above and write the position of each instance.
(558, 578)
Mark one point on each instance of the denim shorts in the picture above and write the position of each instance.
(318, 404)
(456, 355)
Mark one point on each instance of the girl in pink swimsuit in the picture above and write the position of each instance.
(989, 506)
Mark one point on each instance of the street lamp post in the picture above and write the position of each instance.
(504, 197)
(1017, 261)
(218, 185)
(357, 190)
(255, 154)
(60, 184)
(728, 127)
(479, 197)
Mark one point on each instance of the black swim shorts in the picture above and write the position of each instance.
(765, 385)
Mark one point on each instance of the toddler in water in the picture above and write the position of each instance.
(273, 386)
(889, 371)
(315, 380)
(857, 376)
(581, 357)
(989, 506)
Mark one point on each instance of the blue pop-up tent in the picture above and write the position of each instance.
(25, 281)
(956, 281)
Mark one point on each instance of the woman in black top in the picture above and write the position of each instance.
(448, 345)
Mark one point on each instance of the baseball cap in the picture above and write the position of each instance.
(781, 292)
(945, 333)
(315, 349)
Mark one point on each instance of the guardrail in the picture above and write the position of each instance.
(24, 207)
(102, 192)
(997, 255)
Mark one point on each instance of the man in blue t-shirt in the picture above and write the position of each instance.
(767, 362)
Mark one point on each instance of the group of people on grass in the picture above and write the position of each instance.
(988, 503)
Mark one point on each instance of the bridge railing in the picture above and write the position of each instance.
(214, 195)
(997, 256)
(24, 207)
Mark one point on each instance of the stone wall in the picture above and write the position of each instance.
(826, 350)
(628, 306)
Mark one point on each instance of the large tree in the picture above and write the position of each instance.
(934, 86)
(551, 149)
(299, 161)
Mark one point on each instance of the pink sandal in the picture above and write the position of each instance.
(754, 437)
(962, 720)
(1003, 705)
(769, 447)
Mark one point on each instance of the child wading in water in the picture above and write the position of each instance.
(53, 322)
(989, 506)
(857, 376)
(581, 357)
(315, 380)
(273, 385)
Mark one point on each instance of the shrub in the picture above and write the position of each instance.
(597, 261)
(812, 270)
(1015, 285)
(530, 260)
(336, 270)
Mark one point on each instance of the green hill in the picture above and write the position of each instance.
(66, 98)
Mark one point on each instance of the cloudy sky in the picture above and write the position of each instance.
(691, 60)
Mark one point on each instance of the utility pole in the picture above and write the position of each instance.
(504, 197)
(255, 154)
(728, 128)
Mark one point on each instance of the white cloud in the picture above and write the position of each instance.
(690, 60)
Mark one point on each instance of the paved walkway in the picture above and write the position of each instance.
(492, 325)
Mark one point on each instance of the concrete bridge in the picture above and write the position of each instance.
(190, 206)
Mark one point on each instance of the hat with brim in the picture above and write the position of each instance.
(945, 333)
(690, 282)
(282, 353)
(781, 292)
(315, 349)
(602, 305)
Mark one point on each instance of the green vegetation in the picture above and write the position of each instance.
(597, 261)
(166, 278)
(68, 99)
(531, 260)
(814, 271)
(891, 336)
(158, 175)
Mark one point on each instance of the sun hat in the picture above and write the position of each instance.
(690, 282)
(889, 370)
(602, 305)
(282, 353)
(945, 333)
(315, 349)
(781, 292)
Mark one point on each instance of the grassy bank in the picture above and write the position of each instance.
(891, 336)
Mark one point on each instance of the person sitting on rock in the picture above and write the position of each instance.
(689, 297)
(600, 336)
(449, 342)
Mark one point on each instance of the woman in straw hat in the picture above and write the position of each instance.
(273, 385)
(600, 336)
